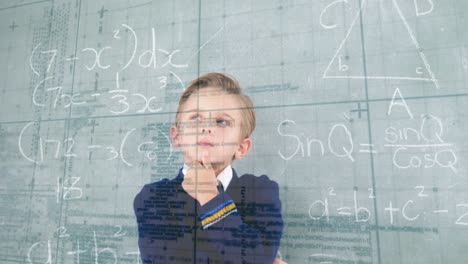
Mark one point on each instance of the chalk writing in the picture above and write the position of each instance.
(99, 254)
(322, 209)
(65, 148)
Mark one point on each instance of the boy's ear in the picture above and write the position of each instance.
(244, 148)
(174, 136)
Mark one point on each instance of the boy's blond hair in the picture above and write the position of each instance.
(228, 85)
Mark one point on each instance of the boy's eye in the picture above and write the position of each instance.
(223, 122)
(195, 117)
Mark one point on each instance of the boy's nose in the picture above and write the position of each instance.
(206, 125)
(206, 131)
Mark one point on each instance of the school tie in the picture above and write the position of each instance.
(220, 187)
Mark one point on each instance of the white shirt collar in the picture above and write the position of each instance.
(224, 176)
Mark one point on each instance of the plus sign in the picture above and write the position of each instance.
(391, 210)
(359, 110)
(13, 26)
(102, 11)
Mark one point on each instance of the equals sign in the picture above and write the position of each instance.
(369, 148)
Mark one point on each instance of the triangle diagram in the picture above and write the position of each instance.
(392, 51)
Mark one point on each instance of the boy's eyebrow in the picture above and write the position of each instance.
(195, 110)
(226, 114)
(190, 110)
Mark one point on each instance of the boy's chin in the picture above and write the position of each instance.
(215, 163)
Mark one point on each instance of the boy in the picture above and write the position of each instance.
(207, 214)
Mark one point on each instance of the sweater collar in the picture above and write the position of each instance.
(227, 177)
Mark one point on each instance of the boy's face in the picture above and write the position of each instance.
(210, 122)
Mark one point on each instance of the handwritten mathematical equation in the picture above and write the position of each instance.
(44, 248)
(443, 156)
(68, 189)
(65, 148)
(427, 138)
(145, 59)
(320, 209)
(122, 100)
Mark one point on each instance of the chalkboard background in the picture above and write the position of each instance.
(361, 119)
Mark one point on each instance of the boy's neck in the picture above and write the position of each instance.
(216, 170)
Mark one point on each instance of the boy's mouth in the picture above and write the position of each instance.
(205, 143)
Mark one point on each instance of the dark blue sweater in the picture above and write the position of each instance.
(241, 225)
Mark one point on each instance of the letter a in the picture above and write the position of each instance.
(401, 102)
